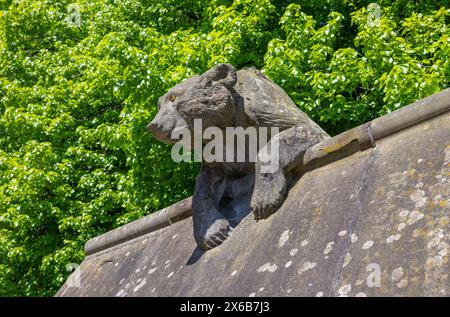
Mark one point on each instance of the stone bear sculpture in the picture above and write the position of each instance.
(227, 191)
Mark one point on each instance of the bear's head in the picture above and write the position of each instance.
(209, 97)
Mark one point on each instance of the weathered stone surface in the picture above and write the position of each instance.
(228, 187)
(386, 207)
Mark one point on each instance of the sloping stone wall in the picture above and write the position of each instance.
(374, 223)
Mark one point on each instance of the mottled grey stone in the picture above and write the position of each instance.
(225, 192)
(383, 209)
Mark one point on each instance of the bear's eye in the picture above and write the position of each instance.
(172, 97)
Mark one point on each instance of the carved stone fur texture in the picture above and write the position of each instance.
(225, 192)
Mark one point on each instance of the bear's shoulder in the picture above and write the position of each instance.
(265, 102)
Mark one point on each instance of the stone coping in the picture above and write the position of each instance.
(330, 150)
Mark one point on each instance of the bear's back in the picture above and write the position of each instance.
(267, 104)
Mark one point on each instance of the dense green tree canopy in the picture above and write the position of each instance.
(79, 81)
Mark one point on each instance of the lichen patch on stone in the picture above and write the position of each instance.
(328, 248)
(307, 266)
(284, 238)
(267, 267)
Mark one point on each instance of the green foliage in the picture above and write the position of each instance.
(343, 80)
(75, 159)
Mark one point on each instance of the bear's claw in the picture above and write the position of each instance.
(212, 240)
(268, 194)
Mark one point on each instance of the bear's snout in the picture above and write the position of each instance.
(152, 127)
(159, 132)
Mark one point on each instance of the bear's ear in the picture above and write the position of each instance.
(222, 73)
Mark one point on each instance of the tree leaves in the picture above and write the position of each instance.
(389, 64)
(75, 158)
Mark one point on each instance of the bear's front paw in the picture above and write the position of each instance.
(268, 195)
(215, 235)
